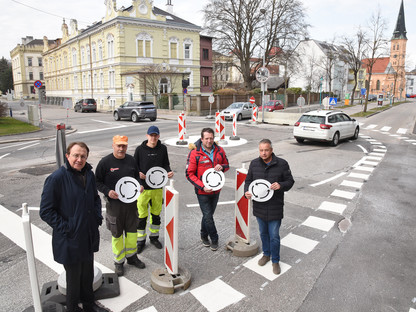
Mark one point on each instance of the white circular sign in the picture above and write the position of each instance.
(300, 101)
(213, 179)
(156, 177)
(262, 74)
(211, 99)
(128, 189)
(260, 190)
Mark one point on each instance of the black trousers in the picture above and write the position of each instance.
(79, 279)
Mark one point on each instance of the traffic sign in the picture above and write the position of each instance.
(252, 100)
(363, 91)
(128, 189)
(300, 101)
(38, 84)
(213, 179)
(260, 190)
(185, 91)
(262, 74)
(211, 99)
(156, 177)
(333, 101)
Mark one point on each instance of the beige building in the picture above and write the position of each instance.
(133, 53)
(27, 67)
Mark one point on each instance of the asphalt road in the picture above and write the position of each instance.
(364, 263)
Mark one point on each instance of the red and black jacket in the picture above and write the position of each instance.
(198, 161)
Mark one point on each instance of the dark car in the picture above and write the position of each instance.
(272, 105)
(85, 105)
(136, 111)
(372, 97)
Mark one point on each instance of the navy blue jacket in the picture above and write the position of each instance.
(74, 213)
(277, 171)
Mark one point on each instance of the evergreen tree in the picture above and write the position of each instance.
(6, 75)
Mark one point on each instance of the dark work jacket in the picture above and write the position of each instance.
(147, 158)
(277, 171)
(74, 213)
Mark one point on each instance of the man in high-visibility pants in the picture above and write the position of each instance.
(121, 218)
(151, 153)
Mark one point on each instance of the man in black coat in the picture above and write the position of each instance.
(269, 214)
(70, 204)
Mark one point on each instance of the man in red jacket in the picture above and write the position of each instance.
(207, 154)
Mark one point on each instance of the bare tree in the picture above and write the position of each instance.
(151, 75)
(355, 49)
(241, 28)
(375, 47)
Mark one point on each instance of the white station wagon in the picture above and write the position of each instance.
(326, 126)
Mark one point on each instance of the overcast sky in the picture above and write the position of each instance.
(328, 18)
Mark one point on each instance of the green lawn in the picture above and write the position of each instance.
(10, 125)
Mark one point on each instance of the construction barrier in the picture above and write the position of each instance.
(234, 136)
(240, 244)
(217, 124)
(254, 115)
(60, 145)
(185, 135)
(181, 130)
(167, 279)
(222, 130)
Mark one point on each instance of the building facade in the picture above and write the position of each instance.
(27, 67)
(133, 53)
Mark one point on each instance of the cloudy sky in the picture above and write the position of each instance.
(329, 18)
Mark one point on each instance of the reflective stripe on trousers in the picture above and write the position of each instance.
(124, 246)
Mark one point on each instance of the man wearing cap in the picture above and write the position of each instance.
(151, 153)
(121, 218)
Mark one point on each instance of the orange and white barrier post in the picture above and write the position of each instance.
(171, 276)
(254, 115)
(185, 135)
(217, 124)
(240, 244)
(181, 130)
(234, 136)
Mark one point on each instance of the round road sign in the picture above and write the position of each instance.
(38, 84)
(260, 190)
(156, 177)
(262, 74)
(213, 179)
(128, 189)
(211, 99)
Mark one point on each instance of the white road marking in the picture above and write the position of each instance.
(385, 128)
(17, 144)
(22, 148)
(216, 295)
(42, 243)
(376, 154)
(403, 138)
(103, 129)
(332, 207)
(410, 141)
(401, 131)
(299, 243)
(379, 150)
(371, 140)
(343, 194)
(394, 135)
(319, 223)
(375, 143)
(373, 158)
(328, 180)
(352, 184)
(149, 309)
(219, 203)
(371, 126)
(363, 149)
(267, 270)
(359, 175)
(364, 168)
(5, 155)
(105, 122)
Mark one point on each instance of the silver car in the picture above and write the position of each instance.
(136, 111)
(240, 109)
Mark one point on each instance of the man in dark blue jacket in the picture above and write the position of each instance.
(269, 214)
(70, 204)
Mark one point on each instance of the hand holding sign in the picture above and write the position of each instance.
(156, 177)
(213, 179)
(128, 189)
(260, 190)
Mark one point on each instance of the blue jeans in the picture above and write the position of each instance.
(208, 203)
(270, 238)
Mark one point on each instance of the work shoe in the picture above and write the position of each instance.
(205, 241)
(214, 246)
(263, 260)
(276, 268)
(119, 268)
(156, 243)
(140, 246)
(136, 262)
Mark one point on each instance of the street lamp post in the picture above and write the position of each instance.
(263, 84)
(320, 91)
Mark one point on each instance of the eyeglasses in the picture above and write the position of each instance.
(76, 156)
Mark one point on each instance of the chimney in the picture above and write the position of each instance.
(27, 40)
(169, 6)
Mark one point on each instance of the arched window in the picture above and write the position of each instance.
(100, 50)
(110, 46)
(187, 49)
(93, 52)
(163, 85)
(378, 85)
(74, 57)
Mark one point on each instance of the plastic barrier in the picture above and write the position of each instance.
(181, 130)
(234, 136)
(217, 124)
(254, 115)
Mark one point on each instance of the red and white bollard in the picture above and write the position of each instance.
(184, 125)
(181, 130)
(240, 244)
(170, 277)
(217, 124)
(234, 136)
(222, 130)
(254, 115)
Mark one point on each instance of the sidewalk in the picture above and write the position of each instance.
(285, 117)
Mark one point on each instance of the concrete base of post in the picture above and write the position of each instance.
(234, 138)
(242, 249)
(182, 142)
(97, 281)
(209, 117)
(222, 142)
(164, 282)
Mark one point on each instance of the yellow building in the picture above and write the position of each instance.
(133, 53)
(27, 67)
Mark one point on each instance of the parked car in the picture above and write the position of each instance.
(135, 111)
(85, 105)
(240, 109)
(372, 97)
(272, 105)
(411, 95)
(327, 126)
